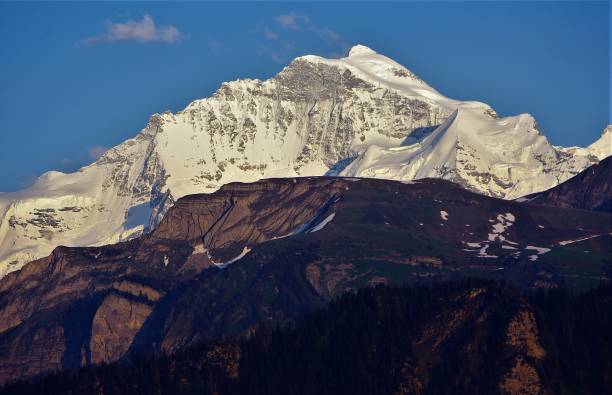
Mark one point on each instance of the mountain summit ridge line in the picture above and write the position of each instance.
(363, 115)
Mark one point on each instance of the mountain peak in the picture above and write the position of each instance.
(364, 111)
(602, 147)
(361, 50)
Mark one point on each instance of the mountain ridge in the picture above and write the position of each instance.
(221, 264)
(317, 116)
(591, 189)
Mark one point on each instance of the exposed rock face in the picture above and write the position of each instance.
(199, 231)
(315, 117)
(245, 215)
(129, 278)
(221, 264)
(589, 190)
(32, 350)
(114, 326)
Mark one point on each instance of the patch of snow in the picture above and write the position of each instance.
(322, 224)
(566, 242)
(482, 253)
(601, 148)
(499, 228)
(504, 221)
(539, 250)
(508, 217)
(245, 251)
(210, 258)
(486, 256)
(199, 249)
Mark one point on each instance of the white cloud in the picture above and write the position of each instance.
(96, 152)
(333, 38)
(298, 25)
(269, 34)
(143, 31)
(292, 21)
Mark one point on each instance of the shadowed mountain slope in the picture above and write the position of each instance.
(222, 264)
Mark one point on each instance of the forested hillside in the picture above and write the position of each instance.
(476, 336)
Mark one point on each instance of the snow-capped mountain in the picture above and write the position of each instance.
(501, 157)
(601, 148)
(362, 115)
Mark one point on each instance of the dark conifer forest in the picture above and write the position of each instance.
(474, 336)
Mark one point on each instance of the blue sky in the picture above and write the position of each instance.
(78, 77)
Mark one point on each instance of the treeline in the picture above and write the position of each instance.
(438, 339)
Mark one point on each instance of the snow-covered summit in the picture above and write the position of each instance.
(383, 72)
(504, 157)
(363, 115)
(599, 149)
(360, 50)
(602, 148)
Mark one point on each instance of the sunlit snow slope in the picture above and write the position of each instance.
(364, 115)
